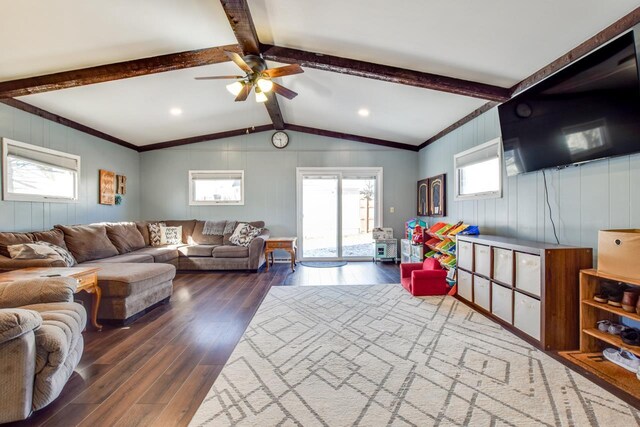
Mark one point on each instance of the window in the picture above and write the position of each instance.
(478, 172)
(216, 187)
(36, 174)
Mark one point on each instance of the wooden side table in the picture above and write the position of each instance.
(288, 244)
(87, 281)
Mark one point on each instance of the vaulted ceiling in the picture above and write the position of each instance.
(417, 66)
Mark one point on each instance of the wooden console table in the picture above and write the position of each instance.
(87, 281)
(288, 244)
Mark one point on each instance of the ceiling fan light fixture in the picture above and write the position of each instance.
(260, 96)
(265, 85)
(235, 88)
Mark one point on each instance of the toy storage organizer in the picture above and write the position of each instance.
(531, 288)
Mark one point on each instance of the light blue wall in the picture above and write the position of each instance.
(270, 177)
(95, 154)
(584, 199)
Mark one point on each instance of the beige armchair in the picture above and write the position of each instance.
(40, 343)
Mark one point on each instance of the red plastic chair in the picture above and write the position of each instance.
(424, 278)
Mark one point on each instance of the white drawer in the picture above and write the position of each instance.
(465, 254)
(502, 302)
(481, 292)
(482, 260)
(526, 315)
(528, 273)
(465, 288)
(503, 265)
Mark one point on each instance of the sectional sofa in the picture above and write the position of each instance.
(133, 275)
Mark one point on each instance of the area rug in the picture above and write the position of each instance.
(323, 264)
(376, 356)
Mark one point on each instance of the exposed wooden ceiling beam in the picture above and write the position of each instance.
(117, 71)
(203, 138)
(351, 137)
(385, 73)
(239, 17)
(15, 103)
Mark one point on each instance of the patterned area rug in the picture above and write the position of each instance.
(375, 356)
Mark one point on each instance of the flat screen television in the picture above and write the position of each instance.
(589, 110)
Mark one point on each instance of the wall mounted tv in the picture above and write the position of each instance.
(589, 110)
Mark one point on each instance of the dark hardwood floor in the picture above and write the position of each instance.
(158, 370)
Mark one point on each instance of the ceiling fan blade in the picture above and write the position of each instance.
(239, 61)
(219, 77)
(244, 93)
(287, 70)
(281, 90)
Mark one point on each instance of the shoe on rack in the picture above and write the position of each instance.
(630, 336)
(623, 358)
(630, 300)
(603, 325)
(616, 328)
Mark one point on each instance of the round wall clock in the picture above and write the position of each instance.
(280, 139)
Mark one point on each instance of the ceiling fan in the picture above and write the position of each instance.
(258, 76)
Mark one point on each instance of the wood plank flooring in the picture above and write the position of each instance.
(157, 371)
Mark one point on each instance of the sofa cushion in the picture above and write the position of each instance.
(127, 258)
(204, 239)
(230, 252)
(160, 253)
(54, 236)
(125, 236)
(32, 251)
(143, 228)
(8, 239)
(121, 280)
(197, 250)
(88, 242)
(187, 227)
(63, 252)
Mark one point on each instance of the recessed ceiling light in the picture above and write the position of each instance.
(363, 112)
(175, 111)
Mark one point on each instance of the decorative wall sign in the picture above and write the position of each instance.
(107, 188)
(423, 197)
(437, 195)
(121, 185)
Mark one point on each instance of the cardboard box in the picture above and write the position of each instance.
(619, 253)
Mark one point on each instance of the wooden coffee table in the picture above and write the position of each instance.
(288, 244)
(87, 281)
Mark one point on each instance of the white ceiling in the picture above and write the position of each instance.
(40, 37)
(499, 42)
(137, 110)
(494, 41)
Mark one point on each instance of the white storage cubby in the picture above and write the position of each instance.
(465, 255)
(465, 285)
(482, 260)
(503, 266)
(502, 302)
(528, 273)
(481, 292)
(526, 315)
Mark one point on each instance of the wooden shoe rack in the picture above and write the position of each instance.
(592, 341)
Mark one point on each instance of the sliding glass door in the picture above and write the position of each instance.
(337, 210)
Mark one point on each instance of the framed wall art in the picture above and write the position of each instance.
(437, 195)
(107, 187)
(423, 197)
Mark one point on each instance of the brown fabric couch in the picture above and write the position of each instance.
(134, 276)
(40, 343)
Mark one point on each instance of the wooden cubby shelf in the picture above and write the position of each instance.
(614, 340)
(611, 309)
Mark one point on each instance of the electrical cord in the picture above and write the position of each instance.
(546, 194)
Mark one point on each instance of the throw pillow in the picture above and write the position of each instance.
(170, 235)
(154, 233)
(64, 254)
(244, 234)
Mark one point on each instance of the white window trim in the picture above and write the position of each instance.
(193, 202)
(341, 172)
(6, 195)
(485, 195)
